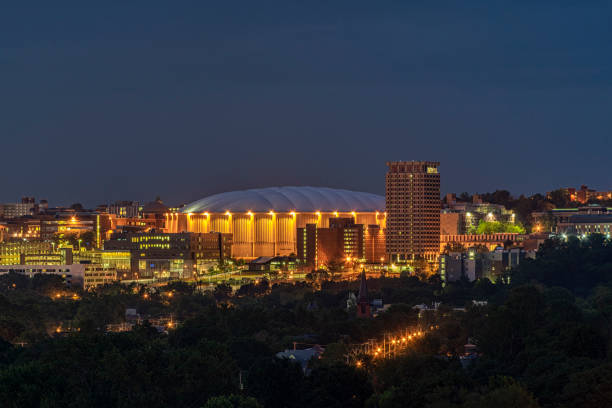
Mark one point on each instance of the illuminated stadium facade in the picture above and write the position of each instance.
(264, 221)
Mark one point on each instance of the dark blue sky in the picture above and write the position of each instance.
(185, 99)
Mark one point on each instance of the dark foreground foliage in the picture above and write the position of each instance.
(544, 341)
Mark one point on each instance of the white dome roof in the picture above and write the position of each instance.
(286, 199)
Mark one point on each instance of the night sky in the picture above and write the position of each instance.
(185, 99)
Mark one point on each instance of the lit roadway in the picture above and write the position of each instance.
(389, 346)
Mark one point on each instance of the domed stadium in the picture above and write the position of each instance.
(264, 221)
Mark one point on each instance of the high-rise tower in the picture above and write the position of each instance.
(413, 210)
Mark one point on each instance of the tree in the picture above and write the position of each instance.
(232, 401)
(180, 287)
(222, 292)
(560, 198)
(415, 380)
(88, 239)
(316, 276)
(495, 227)
(502, 197)
(336, 385)
(94, 313)
(47, 284)
(589, 388)
(504, 333)
(276, 382)
(465, 197)
(334, 266)
(10, 329)
(503, 392)
(422, 268)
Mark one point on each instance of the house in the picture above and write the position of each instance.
(272, 264)
(303, 356)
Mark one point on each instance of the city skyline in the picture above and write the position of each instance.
(134, 101)
(305, 204)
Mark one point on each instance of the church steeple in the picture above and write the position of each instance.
(363, 288)
(363, 303)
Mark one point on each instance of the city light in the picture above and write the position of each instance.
(444, 326)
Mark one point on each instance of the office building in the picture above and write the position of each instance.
(73, 275)
(131, 217)
(61, 224)
(584, 194)
(473, 264)
(451, 266)
(413, 210)
(98, 275)
(125, 209)
(11, 252)
(342, 242)
(583, 220)
(374, 243)
(15, 210)
(490, 241)
(166, 255)
(86, 276)
(459, 218)
(120, 261)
